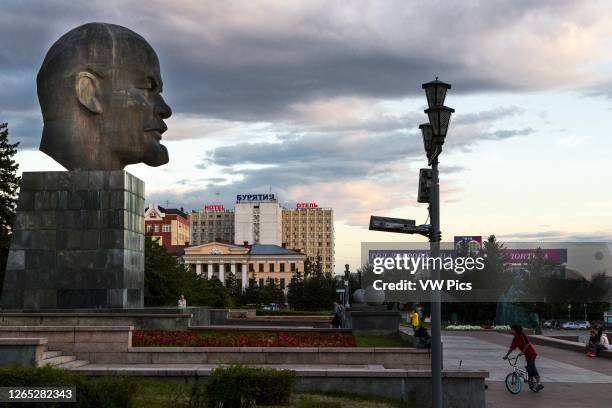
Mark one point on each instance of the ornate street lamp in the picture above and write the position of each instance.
(427, 133)
(439, 118)
(436, 92)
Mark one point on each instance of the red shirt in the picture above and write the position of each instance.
(523, 344)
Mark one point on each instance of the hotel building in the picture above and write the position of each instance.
(169, 226)
(310, 228)
(258, 220)
(213, 223)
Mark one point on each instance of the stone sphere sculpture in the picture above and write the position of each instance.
(359, 296)
(374, 297)
(99, 89)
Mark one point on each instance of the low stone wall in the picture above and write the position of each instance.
(274, 329)
(155, 318)
(96, 344)
(21, 351)
(113, 345)
(462, 388)
(391, 357)
(566, 345)
(237, 317)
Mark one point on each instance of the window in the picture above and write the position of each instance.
(292, 266)
(251, 267)
(282, 283)
(261, 267)
(282, 267)
(271, 267)
(157, 228)
(149, 228)
(166, 228)
(261, 282)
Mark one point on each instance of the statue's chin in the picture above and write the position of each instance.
(157, 158)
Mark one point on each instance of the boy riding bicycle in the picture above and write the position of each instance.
(521, 341)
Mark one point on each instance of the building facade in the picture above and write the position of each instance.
(169, 226)
(213, 223)
(310, 228)
(258, 220)
(250, 264)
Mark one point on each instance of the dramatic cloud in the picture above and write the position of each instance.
(319, 99)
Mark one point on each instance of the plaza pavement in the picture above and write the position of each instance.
(571, 379)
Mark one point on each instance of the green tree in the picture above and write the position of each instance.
(9, 184)
(166, 278)
(316, 291)
(263, 295)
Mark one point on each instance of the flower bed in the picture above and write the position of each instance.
(160, 338)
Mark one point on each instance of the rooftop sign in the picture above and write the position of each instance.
(255, 197)
(214, 207)
(301, 206)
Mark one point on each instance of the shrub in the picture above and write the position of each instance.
(108, 392)
(240, 387)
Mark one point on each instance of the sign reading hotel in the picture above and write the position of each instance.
(214, 207)
(302, 206)
(255, 197)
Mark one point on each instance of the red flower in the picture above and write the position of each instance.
(160, 338)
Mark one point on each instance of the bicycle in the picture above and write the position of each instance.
(514, 380)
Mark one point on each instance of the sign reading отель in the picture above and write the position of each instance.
(301, 206)
(214, 207)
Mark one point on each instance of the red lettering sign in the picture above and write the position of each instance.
(214, 207)
(301, 206)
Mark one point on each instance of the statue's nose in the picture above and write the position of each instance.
(162, 109)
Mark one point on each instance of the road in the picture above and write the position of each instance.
(571, 379)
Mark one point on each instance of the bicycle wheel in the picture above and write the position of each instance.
(514, 383)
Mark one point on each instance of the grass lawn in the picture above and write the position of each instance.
(381, 341)
(154, 394)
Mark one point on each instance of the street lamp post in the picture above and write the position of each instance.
(434, 134)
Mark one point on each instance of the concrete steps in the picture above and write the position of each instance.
(50, 354)
(57, 359)
(74, 364)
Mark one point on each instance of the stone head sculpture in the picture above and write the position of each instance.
(99, 90)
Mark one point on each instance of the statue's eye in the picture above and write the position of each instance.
(150, 85)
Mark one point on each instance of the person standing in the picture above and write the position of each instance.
(182, 302)
(414, 320)
(338, 318)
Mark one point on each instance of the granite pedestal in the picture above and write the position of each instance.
(78, 242)
(367, 320)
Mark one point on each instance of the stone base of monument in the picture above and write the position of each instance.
(366, 320)
(78, 242)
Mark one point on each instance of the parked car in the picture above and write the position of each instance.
(583, 325)
(548, 324)
(570, 326)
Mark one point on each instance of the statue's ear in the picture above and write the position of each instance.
(87, 89)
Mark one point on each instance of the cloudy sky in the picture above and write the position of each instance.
(321, 101)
